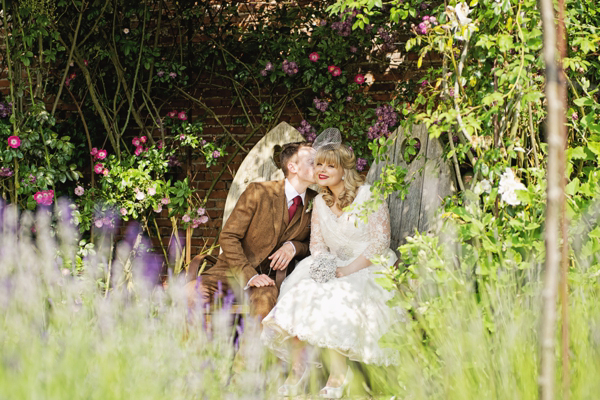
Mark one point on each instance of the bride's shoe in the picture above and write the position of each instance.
(330, 392)
(298, 388)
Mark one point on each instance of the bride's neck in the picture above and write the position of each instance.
(336, 191)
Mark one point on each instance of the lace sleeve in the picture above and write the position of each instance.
(379, 232)
(317, 243)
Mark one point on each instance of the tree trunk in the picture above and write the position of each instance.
(555, 197)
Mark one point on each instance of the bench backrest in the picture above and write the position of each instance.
(433, 180)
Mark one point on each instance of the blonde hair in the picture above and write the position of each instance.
(343, 157)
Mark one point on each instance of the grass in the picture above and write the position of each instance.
(62, 337)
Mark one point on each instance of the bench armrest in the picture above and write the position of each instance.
(196, 263)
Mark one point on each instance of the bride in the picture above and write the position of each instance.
(331, 301)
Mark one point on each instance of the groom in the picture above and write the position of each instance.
(269, 226)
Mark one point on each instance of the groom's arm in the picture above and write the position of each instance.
(234, 231)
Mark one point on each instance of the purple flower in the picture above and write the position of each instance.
(268, 66)
(6, 171)
(323, 22)
(216, 154)
(353, 49)
(290, 67)
(263, 72)
(574, 116)
(307, 131)
(173, 75)
(361, 163)
(160, 73)
(321, 105)
(186, 218)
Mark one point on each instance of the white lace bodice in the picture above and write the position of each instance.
(347, 236)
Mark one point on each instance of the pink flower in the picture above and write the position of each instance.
(181, 137)
(314, 57)
(98, 168)
(158, 209)
(360, 79)
(216, 154)
(201, 211)
(14, 141)
(105, 171)
(98, 223)
(196, 223)
(94, 151)
(173, 75)
(151, 191)
(140, 196)
(353, 49)
(172, 114)
(38, 197)
(160, 144)
(182, 116)
(165, 200)
(331, 68)
(203, 219)
(136, 141)
(143, 139)
(337, 71)
(85, 62)
(136, 190)
(138, 150)
(101, 155)
(186, 218)
(79, 191)
(123, 211)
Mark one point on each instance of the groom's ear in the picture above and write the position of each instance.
(292, 167)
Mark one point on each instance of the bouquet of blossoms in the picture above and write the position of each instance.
(323, 267)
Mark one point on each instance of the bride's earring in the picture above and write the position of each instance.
(343, 177)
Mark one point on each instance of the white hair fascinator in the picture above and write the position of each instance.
(329, 139)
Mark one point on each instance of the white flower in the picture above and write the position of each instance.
(508, 187)
(151, 191)
(140, 196)
(460, 23)
(486, 186)
(126, 31)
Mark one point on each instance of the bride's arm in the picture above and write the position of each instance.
(379, 240)
(317, 242)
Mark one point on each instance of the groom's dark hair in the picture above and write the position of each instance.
(288, 151)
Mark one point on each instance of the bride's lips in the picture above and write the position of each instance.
(321, 176)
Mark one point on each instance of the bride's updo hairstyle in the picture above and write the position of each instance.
(342, 156)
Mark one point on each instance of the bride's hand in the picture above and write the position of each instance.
(339, 272)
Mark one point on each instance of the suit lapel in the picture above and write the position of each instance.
(277, 204)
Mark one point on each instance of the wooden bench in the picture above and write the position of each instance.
(431, 174)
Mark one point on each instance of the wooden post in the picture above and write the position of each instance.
(564, 284)
(555, 197)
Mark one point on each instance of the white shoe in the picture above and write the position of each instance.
(298, 388)
(330, 392)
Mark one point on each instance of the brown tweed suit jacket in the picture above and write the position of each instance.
(258, 226)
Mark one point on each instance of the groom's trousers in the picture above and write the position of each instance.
(207, 289)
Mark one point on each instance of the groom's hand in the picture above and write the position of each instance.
(260, 281)
(282, 257)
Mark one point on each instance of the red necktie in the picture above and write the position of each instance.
(296, 202)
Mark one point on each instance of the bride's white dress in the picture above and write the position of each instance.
(348, 314)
